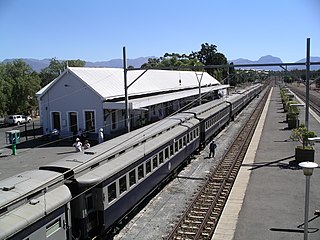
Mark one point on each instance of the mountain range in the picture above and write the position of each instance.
(37, 64)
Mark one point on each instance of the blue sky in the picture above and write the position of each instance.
(96, 30)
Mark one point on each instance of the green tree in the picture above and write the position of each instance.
(4, 89)
(208, 55)
(49, 73)
(172, 60)
(20, 86)
(56, 67)
(74, 63)
(152, 63)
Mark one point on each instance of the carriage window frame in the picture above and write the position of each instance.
(123, 184)
(166, 153)
(53, 227)
(171, 150)
(113, 193)
(141, 173)
(180, 143)
(161, 157)
(132, 178)
(148, 167)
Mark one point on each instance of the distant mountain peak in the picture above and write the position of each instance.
(269, 59)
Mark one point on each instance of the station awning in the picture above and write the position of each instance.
(141, 103)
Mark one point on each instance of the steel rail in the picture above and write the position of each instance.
(202, 215)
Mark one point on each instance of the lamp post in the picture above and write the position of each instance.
(307, 171)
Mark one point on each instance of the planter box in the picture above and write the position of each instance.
(293, 123)
(302, 155)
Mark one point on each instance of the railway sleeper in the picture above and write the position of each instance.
(202, 208)
(193, 222)
(198, 212)
(186, 233)
(195, 217)
(211, 222)
(205, 234)
(189, 227)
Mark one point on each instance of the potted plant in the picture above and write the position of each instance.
(306, 151)
(292, 115)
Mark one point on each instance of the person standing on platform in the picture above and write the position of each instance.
(100, 135)
(212, 147)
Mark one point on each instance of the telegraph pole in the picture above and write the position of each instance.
(125, 71)
(307, 83)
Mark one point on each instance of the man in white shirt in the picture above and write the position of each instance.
(77, 145)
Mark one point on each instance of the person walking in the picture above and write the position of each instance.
(77, 145)
(212, 148)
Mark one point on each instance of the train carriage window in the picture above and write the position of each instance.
(112, 193)
(185, 141)
(160, 157)
(155, 161)
(171, 150)
(180, 143)
(176, 146)
(188, 138)
(166, 153)
(89, 202)
(53, 227)
(123, 184)
(148, 166)
(132, 177)
(140, 172)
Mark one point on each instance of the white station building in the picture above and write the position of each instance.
(86, 99)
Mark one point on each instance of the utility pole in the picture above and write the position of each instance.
(307, 83)
(199, 81)
(125, 71)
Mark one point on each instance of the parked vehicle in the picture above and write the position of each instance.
(18, 119)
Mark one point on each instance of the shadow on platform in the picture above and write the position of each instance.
(269, 164)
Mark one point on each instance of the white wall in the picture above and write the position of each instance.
(69, 94)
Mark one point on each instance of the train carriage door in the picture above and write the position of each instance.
(73, 122)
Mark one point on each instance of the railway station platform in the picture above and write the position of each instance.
(268, 198)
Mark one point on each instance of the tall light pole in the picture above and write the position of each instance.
(307, 171)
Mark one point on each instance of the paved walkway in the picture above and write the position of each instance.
(268, 199)
(31, 155)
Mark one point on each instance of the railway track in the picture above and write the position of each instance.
(313, 100)
(202, 215)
